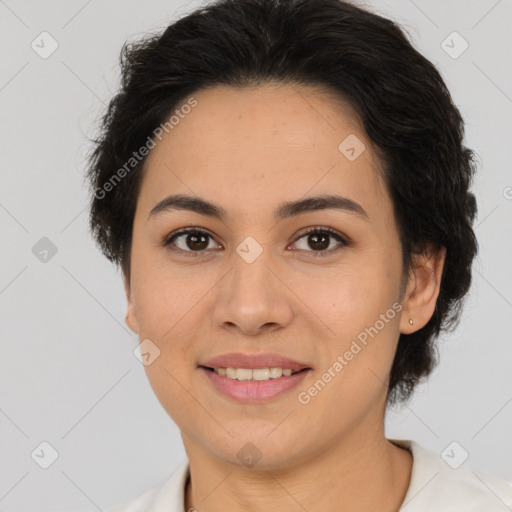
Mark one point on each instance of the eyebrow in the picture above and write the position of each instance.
(284, 210)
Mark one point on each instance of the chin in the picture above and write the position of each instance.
(259, 451)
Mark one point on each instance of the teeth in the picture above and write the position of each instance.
(275, 372)
(254, 374)
(260, 373)
(243, 374)
(231, 373)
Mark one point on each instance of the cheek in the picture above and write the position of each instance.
(171, 388)
(355, 367)
(350, 297)
(167, 298)
(359, 304)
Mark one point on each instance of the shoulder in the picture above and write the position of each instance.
(446, 482)
(165, 496)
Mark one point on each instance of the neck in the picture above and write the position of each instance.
(362, 472)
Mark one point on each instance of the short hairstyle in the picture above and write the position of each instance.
(365, 60)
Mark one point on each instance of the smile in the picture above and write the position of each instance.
(253, 385)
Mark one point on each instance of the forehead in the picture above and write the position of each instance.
(250, 146)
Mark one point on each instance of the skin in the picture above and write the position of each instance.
(248, 150)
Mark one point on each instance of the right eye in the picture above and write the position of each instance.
(191, 240)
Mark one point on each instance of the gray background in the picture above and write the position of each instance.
(68, 373)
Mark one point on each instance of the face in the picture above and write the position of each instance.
(253, 282)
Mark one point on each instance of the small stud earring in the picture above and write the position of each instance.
(410, 321)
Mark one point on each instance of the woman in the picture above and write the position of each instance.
(285, 187)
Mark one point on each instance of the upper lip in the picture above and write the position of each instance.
(267, 360)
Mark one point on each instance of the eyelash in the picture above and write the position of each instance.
(310, 231)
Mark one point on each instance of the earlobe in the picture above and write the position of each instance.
(131, 319)
(422, 290)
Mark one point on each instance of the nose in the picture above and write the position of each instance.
(253, 298)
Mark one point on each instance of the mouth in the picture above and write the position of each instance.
(254, 374)
(252, 378)
(252, 385)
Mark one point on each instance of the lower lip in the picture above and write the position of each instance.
(254, 391)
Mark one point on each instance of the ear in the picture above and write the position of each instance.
(131, 319)
(422, 289)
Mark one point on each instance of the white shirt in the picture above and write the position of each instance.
(434, 486)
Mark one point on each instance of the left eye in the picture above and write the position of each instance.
(320, 239)
(196, 240)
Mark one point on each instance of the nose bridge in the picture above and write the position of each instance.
(252, 296)
(251, 259)
(251, 278)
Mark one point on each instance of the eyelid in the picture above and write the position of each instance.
(185, 231)
(344, 240)
(324, 229)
